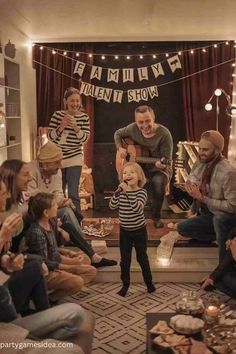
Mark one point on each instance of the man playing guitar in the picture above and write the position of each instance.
(158, 140)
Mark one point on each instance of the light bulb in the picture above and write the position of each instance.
(218, 92)
(208, 107)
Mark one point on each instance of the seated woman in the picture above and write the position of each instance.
(223, 277)
(44, 176)
(19, 272)
(66, 275)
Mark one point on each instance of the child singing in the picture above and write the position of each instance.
(130, 199)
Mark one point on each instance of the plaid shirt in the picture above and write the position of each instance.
(43, 243)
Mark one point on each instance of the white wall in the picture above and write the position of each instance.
(27, 85)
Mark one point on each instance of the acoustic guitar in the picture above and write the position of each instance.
(140, 154)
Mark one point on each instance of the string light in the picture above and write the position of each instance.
(103, 57)
(154, 56)
(233, 64)
(233, 75)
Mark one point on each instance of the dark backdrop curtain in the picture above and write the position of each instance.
(51, 85)
(198, 89)
(182, 102)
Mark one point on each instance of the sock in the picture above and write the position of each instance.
(123, 290)
(96, 258)
(150, 288)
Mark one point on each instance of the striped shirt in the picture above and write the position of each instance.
(131, 208)
(70, 142)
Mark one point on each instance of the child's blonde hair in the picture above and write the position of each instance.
(141, 176)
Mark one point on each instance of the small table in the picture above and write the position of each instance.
(151, 320)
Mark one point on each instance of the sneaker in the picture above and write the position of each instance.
(104, 262)
(158, 224)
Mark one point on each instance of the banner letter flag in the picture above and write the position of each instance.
(102, 93)
(174, 63)
(130, 95)
(128, 75)
(84, 88)
(96, 72)
(117, 96)
(157, 69)
(98, 92)
(143, 73)
(107, 94)
(153, 91)
(79, 68)
(113, 75)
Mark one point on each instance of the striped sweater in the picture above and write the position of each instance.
(131, 208)
(70, 142)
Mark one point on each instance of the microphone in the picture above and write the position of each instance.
(119, 190)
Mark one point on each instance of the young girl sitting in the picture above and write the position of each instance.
(41, 240)
(130, 199)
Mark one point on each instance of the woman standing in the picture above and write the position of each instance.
(70, 129)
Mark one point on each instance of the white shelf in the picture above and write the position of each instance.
(9, 146)
(11, 99)
(13, 117)
(10, 88)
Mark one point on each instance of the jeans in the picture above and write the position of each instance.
(70, 179)
(62, 322)
(207, 227)
(28, 284)
(7, 309)
(158, 187)
(72, 226)
(138, 238)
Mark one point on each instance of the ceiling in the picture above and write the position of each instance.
(121, 20)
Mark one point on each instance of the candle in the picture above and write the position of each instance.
(211, 314)
(212, 311)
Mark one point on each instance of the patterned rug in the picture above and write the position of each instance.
(120, 322)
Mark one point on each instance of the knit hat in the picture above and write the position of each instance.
(49, 152)
(215, 138)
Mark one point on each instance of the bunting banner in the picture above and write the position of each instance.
(108, 95)
(128, 74)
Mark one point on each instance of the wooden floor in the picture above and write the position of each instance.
(190, 262)
(186, 265)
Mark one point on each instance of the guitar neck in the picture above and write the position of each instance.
(141, 159)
